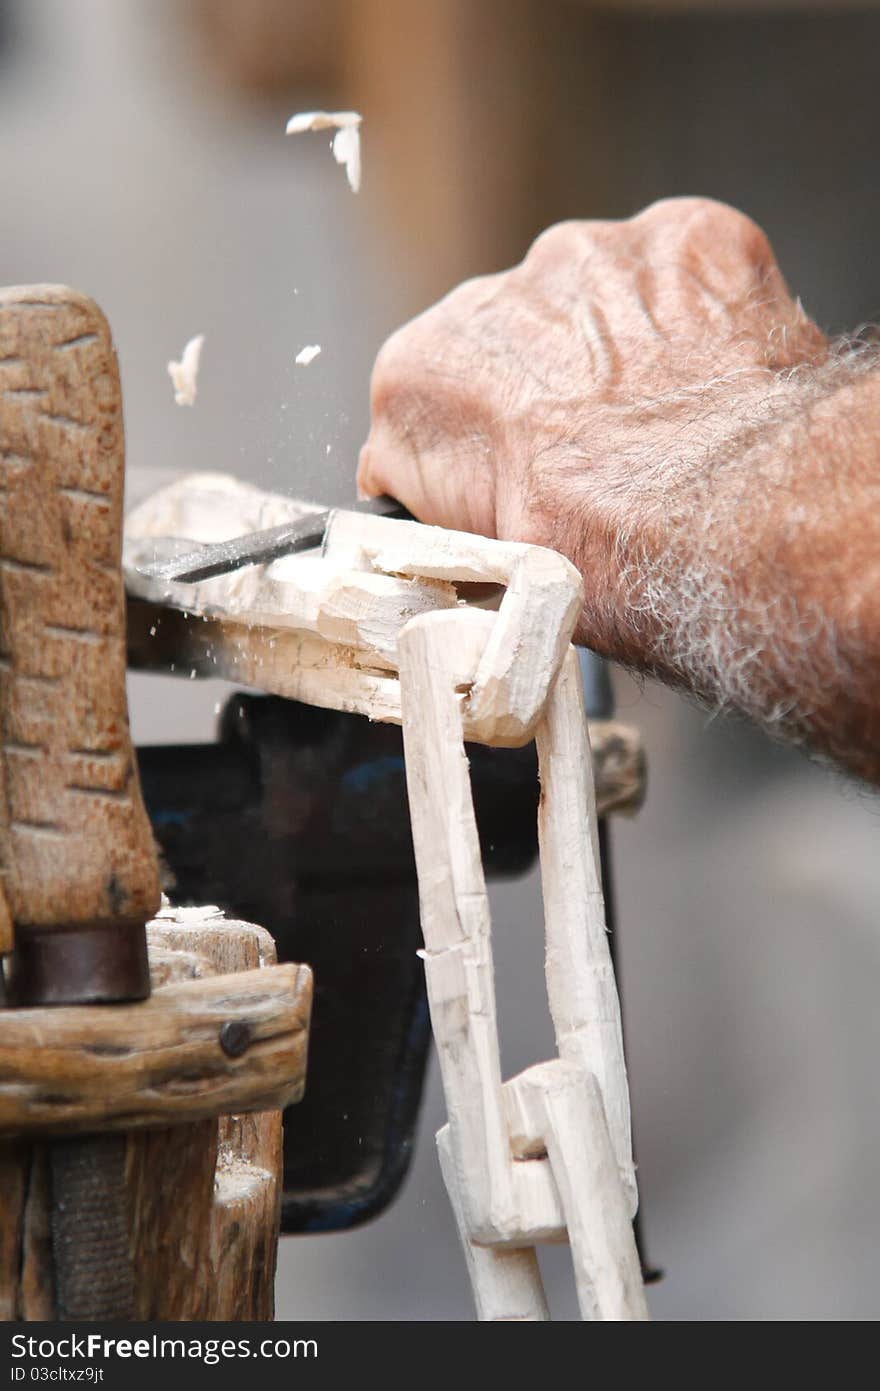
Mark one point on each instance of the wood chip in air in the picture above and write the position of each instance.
(184, 373)
(346, 141)
(347, 151)
(307, 354)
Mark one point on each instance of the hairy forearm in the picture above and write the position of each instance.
(758, 585)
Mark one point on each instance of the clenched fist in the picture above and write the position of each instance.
(648, 398)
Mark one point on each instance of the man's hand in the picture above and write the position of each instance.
(648, 398)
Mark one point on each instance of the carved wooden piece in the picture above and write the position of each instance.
(325, 631)
(545, 1156)
(559, 1108)
(75, 843)
(506, 1281)
(581, 988)
(508, 683)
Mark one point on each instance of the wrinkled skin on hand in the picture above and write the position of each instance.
(584, 399)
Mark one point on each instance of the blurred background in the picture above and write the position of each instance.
(143, 160)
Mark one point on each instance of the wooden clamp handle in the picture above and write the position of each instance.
(78, 867)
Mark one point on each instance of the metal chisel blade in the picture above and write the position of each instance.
(254, 548)
(259, 547)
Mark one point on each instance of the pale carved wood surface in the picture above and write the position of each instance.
(506, 679)
(75, 844)
(326, 629)
(304, 668)
(547, 1155)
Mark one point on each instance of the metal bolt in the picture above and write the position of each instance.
(235, 1037)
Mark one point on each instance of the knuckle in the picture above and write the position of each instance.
(404, 394)
(435, 356)
(366, 470)
(470, 293)
(392, 354)
(752, 241)
(558, 242)
(393, 369)
(427, 346)
(708, 224)
(387, 391)
(724, 225)
(684, 212)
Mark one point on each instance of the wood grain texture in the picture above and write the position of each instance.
(7, 927)
(14, 1159)
(205, 1237)
(245, 1217)
(347, 609)
(454, 909)
(581, 987)
(27, 1281)
(170, 1177)
(75, 843)
(68, 1070)
(325, 631)
(311, 670)
(523, 643)
(36, 1297)
(560, 1107)
(547, 1155)
(203, 1197)
(506, 1281)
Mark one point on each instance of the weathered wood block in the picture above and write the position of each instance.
(195, 1048)
(203, 1195)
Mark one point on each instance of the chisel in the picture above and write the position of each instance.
(261, 547)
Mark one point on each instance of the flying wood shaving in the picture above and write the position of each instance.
(322, 120)
(346, 142)
(307, 354)
(183, 374)
(347, 151)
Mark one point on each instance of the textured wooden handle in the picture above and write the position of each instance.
(75, 843)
